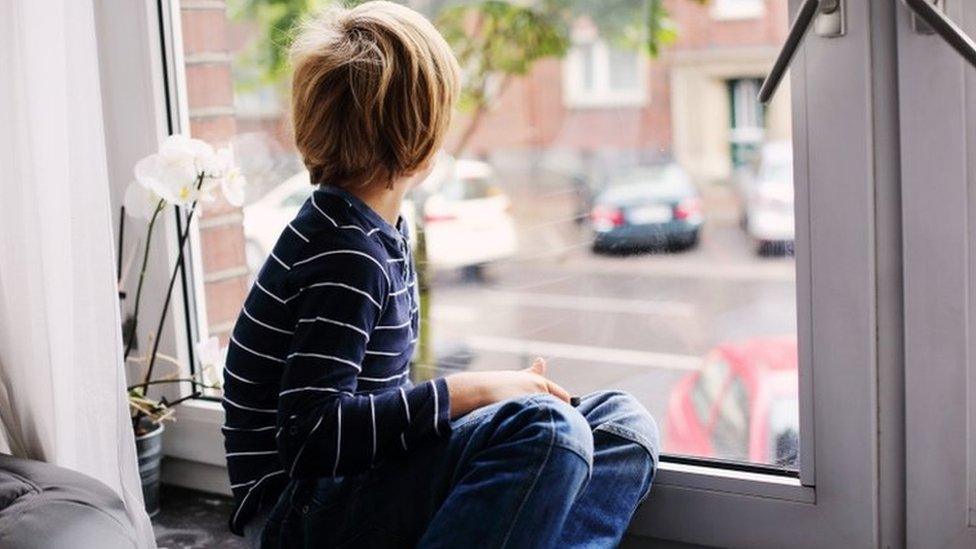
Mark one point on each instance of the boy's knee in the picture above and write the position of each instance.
(555, 423)
(620, 413)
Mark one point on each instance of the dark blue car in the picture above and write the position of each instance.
(647, 208)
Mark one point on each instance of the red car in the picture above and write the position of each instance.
(742, 405)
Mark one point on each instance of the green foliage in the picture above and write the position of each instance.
(277, 20)
(496, 37)
(492, 38)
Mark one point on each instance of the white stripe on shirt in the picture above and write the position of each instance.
(251, 491)
(300, 235)
(339, 285)
(240, 378)
(337, 323)
(261, 453)
(328, 357)
(406, 405)
(334, 224)
(433, 386)
(242, 407)
(316, 389)
(248, 429)
(372, 419)
(345, 252)
(391, 327)
(385, 353)
(302, 449)
(253, 352)
(382, 379)
(265, 290)
(335, 468)
(282, 263)
(268, 326)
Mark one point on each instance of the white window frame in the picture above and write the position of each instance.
(603, 95)
(938, 132)
(841, 154)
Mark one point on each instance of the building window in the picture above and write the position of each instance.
(747, 120)
(595, 74)
(737, 9)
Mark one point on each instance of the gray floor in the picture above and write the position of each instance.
(193, 520)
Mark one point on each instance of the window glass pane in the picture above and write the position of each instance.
(623, 68)
(622, 214)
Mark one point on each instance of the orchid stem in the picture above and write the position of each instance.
(169, 290)
(142, 277)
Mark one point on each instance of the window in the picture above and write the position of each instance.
(628, 247)
(747, 120)
(599, 248)
(597, 74)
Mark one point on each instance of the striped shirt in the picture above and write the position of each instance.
(316, 382)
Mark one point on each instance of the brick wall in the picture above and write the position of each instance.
(210, 95)
(531, 113)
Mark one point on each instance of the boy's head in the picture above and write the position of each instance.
(372, 93)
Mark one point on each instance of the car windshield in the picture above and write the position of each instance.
(466, 189)
(654, 182)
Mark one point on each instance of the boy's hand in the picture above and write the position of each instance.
(471, 390)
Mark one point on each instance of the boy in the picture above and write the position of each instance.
(328, 442)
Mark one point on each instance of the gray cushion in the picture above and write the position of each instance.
(44, 506)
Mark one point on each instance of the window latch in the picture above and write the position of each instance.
(828, 21)
(930, 18)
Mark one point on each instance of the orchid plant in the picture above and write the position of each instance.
(184, 173)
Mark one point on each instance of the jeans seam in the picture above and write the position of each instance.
(632, 436)
(538, 473)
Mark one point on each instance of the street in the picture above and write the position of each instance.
(637, 323)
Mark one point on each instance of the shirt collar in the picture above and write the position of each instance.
(374, 219)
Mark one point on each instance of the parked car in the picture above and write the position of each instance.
(741, 405)
(466, 216)
(769, 218)
(645, 208)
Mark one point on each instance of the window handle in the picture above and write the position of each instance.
(944, 27)
(830, 23)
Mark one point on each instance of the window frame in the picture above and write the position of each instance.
(938, 132)
(834, 498)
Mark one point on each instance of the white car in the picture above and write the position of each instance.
(466, 217)
(769, 207)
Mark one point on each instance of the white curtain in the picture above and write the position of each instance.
(62, 398)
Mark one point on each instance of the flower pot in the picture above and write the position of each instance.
(149, 448)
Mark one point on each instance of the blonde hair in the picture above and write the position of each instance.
(372, 93)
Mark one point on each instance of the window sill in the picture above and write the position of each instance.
(195, 437)
(716, 479)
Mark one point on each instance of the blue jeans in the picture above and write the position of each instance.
(528, 472)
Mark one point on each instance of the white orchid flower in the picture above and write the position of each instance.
(228, 175)
(173, 172)
(139, 201)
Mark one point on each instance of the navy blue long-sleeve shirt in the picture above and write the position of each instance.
(316, 381)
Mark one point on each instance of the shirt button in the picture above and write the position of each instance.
(305, 510)
(293, 430)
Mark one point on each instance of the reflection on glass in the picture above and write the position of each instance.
(627, 215)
